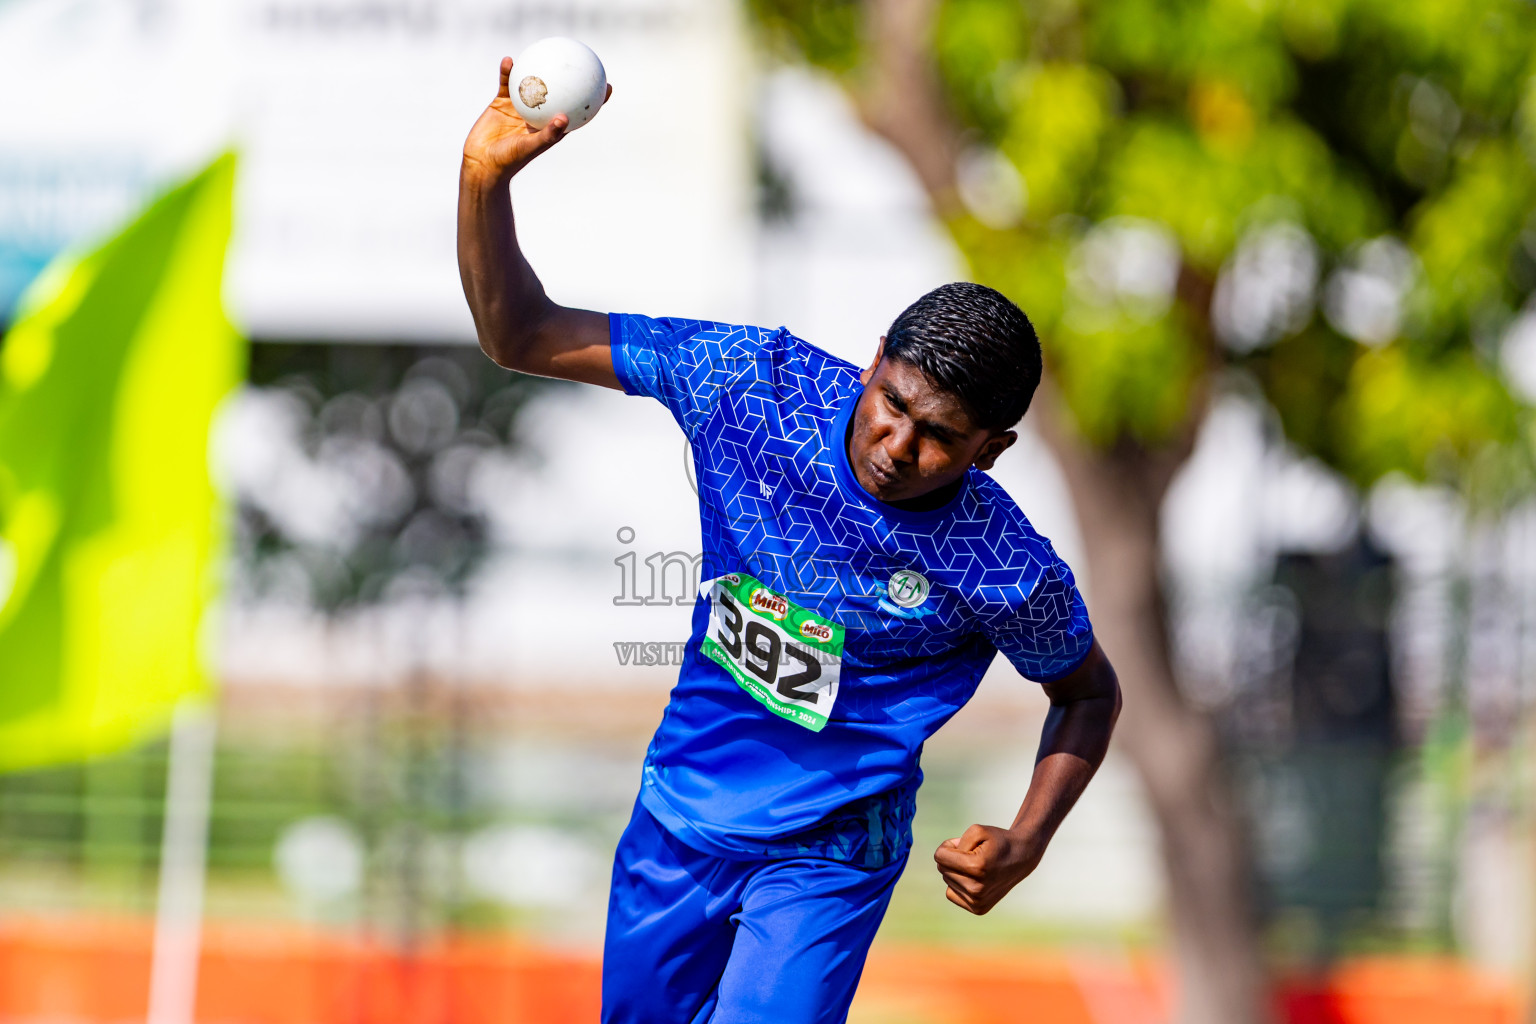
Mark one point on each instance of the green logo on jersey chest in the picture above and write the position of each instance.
(908, 588)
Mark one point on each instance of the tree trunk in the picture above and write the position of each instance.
(1118, 495)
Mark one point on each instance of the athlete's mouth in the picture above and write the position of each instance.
(882, 476)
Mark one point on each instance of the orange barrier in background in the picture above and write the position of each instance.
(98, 971)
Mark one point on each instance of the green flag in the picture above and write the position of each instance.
(109, 525)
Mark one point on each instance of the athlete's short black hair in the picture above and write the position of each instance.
(972, 342)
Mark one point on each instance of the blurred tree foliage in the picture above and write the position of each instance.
(1335, 195)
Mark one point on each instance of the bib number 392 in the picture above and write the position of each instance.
(785, 656)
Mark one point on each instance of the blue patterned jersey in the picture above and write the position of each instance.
(834, 633)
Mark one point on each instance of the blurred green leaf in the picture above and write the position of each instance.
(1361, 121)
(109, 530)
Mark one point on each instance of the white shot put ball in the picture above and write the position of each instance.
(558, 76)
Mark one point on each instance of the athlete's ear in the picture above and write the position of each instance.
(993, 447)
(864, 375)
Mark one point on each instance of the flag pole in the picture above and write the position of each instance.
(183, 864)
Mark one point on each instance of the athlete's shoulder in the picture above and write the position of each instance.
(803, 382)
(800, 366)
(689, 365)
(994, 504)
(684, 343)
(729, 348)
(1026, 602)
(1005, 558)
(813, 355)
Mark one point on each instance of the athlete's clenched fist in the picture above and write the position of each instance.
(982, 865)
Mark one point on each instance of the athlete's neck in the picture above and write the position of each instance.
(933, 499)
(923, 502)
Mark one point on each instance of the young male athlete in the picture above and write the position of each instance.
(862, 572)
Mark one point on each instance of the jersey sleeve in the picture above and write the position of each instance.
(1049, 634)
(686, 365)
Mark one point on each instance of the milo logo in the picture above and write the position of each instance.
(732, 579)
(769, 603)
(816, 631)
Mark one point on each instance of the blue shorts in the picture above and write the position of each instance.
(692, 937)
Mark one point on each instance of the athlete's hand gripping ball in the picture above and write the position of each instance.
(502, 141)
(558, 76)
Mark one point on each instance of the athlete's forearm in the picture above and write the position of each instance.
(1072, 746)
(982, 865)
(505, 296)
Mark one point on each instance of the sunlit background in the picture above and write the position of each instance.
(1280, 255)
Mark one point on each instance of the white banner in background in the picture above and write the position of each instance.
(349, 116)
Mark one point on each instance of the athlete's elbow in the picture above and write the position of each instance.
(512, 346)
(519, 342)
(1109, 687)
(502, 350)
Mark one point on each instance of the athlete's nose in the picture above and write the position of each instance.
(901, 442)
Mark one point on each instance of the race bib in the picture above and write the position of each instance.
(785, 656)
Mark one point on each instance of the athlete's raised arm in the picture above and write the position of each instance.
(981, 866)
(518, 325)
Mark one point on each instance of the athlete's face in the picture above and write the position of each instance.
(909, 438)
